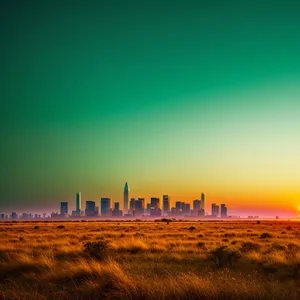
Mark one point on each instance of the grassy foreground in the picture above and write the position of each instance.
(150, 260)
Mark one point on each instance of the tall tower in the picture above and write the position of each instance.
(166, 204)
(126, 197)
(78, 203)
(202, 201)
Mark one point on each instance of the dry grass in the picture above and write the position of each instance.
(150, 260)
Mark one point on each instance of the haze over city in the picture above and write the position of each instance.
(175, 99)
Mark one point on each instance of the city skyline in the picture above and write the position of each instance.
(174, 96)
(133, 207)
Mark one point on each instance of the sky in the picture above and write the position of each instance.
(175, 97)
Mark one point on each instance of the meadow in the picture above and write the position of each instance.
(150, 260)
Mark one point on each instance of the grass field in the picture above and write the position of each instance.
(150, 260)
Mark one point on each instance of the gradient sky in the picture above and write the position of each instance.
(176, 97)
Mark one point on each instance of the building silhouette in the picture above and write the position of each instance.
(223, 211)
(197, 205)
(126, 197)
(132, 205)
(139, 207)
(202, 201)
(166, 204)
(63, 208)
(78, 204)
(105, 207)
(116, 212)
(91, 210)
(154, 202)
(215, 210)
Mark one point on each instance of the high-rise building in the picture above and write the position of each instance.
(197, 205)
(116, 206)
(223, 211)
(14, 215)
(187, 208)
(132, 204)
(215, 210)
(78, 203)
(154, 202)
(126, 197)
(91, 210)
(105, 207)
(178, 206)
(202, 201)
(63, 208)
(139, 207)
(166, 204)
(116, 211)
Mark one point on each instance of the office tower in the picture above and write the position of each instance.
(116, 211)
(203, 201)
(126, 197)
(91, 209)
(139, 207)
(105, 207)
(78, 203)
(187, 208)
(214, 210)
(116, 206)
(14, 215)
(63, 208)
(197, 204)
(154, 202)
(2, 217)
(223, 211)
(132, 204)
(178, 206)
(166, 204)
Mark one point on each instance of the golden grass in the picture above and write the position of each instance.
(150, 260)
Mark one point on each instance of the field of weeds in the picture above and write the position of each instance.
(150, 260)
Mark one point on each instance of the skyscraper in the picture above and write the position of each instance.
(154, 202)
(63, 208)
(203, 201)
(105, 207)
(215, 210)
(126, 197)
(78, 203)
(116, 211)
(223, 211)
(139, 207)
(197, 205)
(166, 204)
(91, 209)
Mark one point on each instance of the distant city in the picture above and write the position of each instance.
(133, 208)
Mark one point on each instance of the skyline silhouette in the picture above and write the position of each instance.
(178, 97)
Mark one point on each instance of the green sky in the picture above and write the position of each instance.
(177, 97)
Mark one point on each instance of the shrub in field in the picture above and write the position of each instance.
(248, 246)
(192, 228)
(3, 256)
(277, 247)
(265, 235)
(97, 250)
(200, 244)
(36, 227)
(60, 227)
(223, 256)
(293, 247)
(289, 228)
(257, 222)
